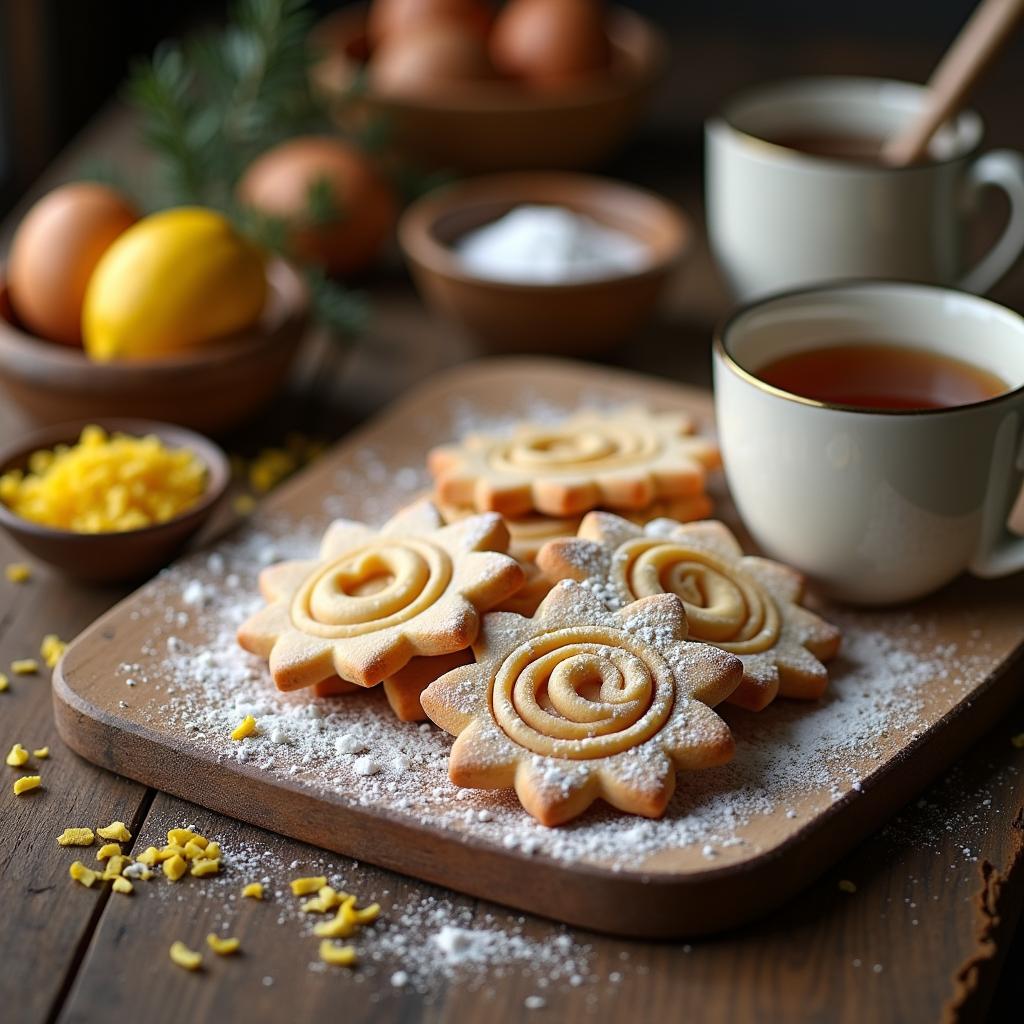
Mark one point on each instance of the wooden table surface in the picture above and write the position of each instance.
(924, 937)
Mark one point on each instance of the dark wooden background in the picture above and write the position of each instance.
(926, 936)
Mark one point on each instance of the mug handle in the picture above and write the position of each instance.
(1001, 168)
(1001, 552)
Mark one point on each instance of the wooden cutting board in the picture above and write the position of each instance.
(153, 688)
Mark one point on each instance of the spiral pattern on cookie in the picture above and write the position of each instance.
(371, 588)
(583, 693)
(557, 451)
(724, 605)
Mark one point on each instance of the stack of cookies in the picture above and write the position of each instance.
(586, 666)
(543, 478)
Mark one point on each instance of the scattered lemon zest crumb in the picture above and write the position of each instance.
(42, 753)
(179, 836)
(25, 666)
(18, 572)
(341, 926)
(26, 783)
(51, 649)
(4, 682)
(305, 886)
(122, 885)
(253, 891)
(244, 504)
(108, 850)
(365, 916)
(185, 957)
(85, 876)
(205, 867)
(115, 866)
(169, 851)
(193, 851)
(247, 727)
(76, 837)
(222, 947)
(846, 885)
(18, 756)
(1017, 741)
(325, 901)
(149, 856)
(175, 867)
(116, 831)
(340, 956)
(212, 850)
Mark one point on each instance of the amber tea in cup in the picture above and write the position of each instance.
(876, 375)
(858, 148)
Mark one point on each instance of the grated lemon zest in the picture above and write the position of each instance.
(185, 957)
(340, 956)
(175, 867)
(304, 886)
(18, 572)
(222, 947)
(76, 837)
(116, 831)
(85, 876)
(26, 783)
(247, 727)
(205, 867)
(18, 756)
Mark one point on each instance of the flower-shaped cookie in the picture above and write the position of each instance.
(375, 599)
(746, 605)
(579, 703)
(620, 460)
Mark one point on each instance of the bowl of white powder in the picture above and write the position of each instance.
(544, 261)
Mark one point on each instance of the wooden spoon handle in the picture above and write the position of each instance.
(971, 54)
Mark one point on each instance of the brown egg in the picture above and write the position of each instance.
(278, 184)
(389, 17)
(429, 59)
(57, 245)
(550, 43)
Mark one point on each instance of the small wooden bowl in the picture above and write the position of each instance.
(496, 125)
(569, 319)
(114, 557)
(211, 389)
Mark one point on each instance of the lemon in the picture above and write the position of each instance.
(173, 281)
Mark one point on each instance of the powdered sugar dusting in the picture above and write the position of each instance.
(792, 760)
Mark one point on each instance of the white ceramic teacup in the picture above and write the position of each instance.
(877, 506)
(781, 218)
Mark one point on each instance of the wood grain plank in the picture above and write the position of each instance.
(33, 869)
(913, 915)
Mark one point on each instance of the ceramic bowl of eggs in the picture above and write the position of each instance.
(544, 261)
(474, 85)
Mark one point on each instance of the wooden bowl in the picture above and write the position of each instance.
(569, 319)
(114, 557)
(210, 389)
(496, 125)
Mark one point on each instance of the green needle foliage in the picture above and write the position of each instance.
(209, 106)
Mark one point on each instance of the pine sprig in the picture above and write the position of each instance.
(210, 106)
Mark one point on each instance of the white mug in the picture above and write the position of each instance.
(877, 506)
(780, 218)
